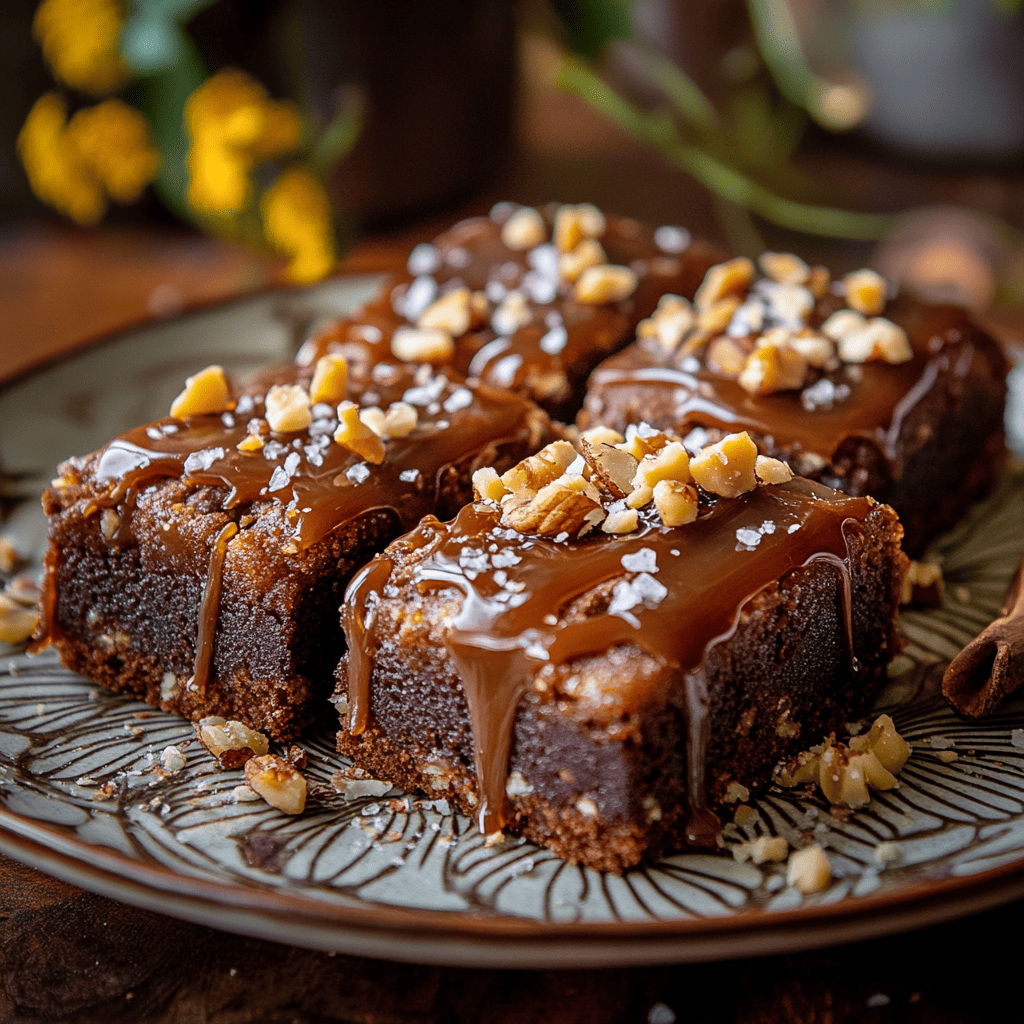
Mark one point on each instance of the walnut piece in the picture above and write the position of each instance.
(866, 291)
(569, 505)
(727, 468)
(417, 345)
(524, 229)
(573, 224)
(330, 379)
(784, 267)
(288, 409)
(878, 339)
(17, 623)
(771, 471)
(231, 742)
(676, 502)
(535, 472)
(730, 278)
(355, 435)
(277, 782)
(452, 313)
(808, 870)
(669, 324)
(487, 485)
(605, 284)
(205, 393)
(586, 255)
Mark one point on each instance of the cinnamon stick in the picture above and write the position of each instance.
(991, 666)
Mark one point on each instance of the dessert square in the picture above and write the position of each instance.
(527, 299)
(607, 648)
(868, 393)
(199, 562)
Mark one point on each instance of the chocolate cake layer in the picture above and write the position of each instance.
(924, 434)
(529, 331)
(604, 696)
(199, 562)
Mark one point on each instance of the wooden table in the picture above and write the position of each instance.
(68, 955)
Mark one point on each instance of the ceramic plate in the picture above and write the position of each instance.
(393, 876)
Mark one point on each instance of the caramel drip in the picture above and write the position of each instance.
(357, 620)
(880, 397)
(700, 575)
(319, 484)
(209, 610)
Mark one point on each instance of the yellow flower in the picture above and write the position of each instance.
(234, 125)
(297, 221)
(104, 150)
(56, 171)
(115, 141)
(79, 41)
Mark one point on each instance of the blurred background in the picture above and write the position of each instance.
(158, 154)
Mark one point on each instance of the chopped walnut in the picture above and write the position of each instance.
(818, 281)
(669, 324)
(761, 850)
(715, 317)
(671, 462)
(611, 467)
(513, 312)
(205, 393)
(573, 224)
(535, 472)
(452, 313)
(879, 339)
(923, 585)
(109, 523)
(400, 420)
(726, 468)
(172, 760)
(277, 782)
(586, 255)
(808, 870)
(676, 502)
(773, 367)
(602, 435)
(17, 623)
(845, 774)
(784, 267)
(623, 520)
(524, 229)
(288, 408)
(373, 417)
(231, 742)
(730, 278)
(487, 485)
(330, 379)
(605, 284)
(10, 559)
(727, 356)
(355, 435)
(843, 322)
(568, 505)
(771, 471)
(417, 345)
(866, 291)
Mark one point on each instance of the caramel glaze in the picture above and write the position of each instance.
(947, 346)
(515, 615)
(563, 338)
(314, 485)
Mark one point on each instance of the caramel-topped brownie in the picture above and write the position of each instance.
(605, 649)
(525, 299)
(874, 395)
(199, 562)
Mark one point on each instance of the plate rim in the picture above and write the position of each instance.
(466, 937)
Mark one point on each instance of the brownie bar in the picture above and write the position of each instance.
(199, 562)
(527, 327)
(605, 695)
(905, 406)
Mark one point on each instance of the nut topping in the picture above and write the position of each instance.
(452, 313)
(277, 782)
(866, 291)
(231, 742)
(330, 378)
(419, 345)
(730, 278)
(676, 502)
(206, 393)
(605, 284)
(573, 224)
(357, 436)
(808, 870)
(784, 267)
(16, 622)
(587, 254)
(288, 408)
(727, 468)
(524, 229)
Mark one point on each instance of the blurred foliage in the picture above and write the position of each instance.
(218, 149)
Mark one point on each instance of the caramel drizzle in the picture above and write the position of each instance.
(498, 646)
(209, 610)
(881, 395)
